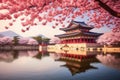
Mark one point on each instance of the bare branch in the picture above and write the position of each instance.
(108, 9)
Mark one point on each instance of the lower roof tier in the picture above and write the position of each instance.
(78, 34)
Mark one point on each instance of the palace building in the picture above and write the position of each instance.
(77, 39)
(78, 32)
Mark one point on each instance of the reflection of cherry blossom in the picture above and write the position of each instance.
(32, 53)
(55, 56)
(109, 60)
(109, 38)
(100, 12)
(6, 56)
(27, 53)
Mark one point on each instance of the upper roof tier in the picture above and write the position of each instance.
(76, 24)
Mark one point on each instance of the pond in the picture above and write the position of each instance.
(36, 65)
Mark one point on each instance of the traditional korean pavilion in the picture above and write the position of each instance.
(77, 40)
(78, 32)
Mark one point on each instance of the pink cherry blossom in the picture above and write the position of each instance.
(109, 38)
(32, 42)
(5, 40)
(23, 41)
(99, 12)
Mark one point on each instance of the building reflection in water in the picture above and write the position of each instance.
(74, 63)
(82, 63)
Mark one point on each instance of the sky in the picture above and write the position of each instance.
(46, 30)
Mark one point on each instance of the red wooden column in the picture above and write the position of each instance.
(76, 40)
(71, 40)
(80, 40)
(92, 41)
(86, 40)
(61, 41)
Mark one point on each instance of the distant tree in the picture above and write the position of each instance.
(5, 40)
(38, 39)
(45, 40)
(15, 40)
(109, 38)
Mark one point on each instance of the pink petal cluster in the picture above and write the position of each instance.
(60, 10)
(5, 40)
(109, 38)
(25, 41)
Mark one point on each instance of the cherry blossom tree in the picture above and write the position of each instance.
(100, 12)
(32, 42)
(23, 41)
(5, 40)
(109, 38)
(27, 41)
(55, 40)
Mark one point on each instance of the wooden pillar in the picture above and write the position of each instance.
(80, 40)
(71, 40)
(86, 40)
(61, 41)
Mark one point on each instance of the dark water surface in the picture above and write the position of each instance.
(35, 65)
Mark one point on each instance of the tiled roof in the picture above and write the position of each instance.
(67, 35)
(78, 24)
(78, 33)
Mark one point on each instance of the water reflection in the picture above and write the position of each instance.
(30, 65)
(81, 63)
(9, 56)
(111, 60)
(6, 56)
(78, 65)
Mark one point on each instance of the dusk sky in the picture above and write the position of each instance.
(46, 30)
